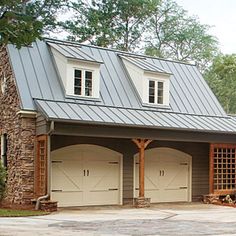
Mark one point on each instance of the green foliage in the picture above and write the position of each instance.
(2, 181)
(161, 26)
(22, 22)
(173, 34)
(115, 23)
(221, 77)
(20, 213)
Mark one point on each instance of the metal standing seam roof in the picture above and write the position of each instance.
(143, 64)
(73, 52)
(193, 106)
(56, 110)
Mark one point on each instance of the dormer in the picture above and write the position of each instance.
(151, 82)
(79, 71)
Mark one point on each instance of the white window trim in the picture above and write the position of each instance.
(165, 91)
(156, 91)
(83, 82)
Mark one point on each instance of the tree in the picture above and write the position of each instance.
(173, 34)
(221, 77)
(115, 23)
(23, 21)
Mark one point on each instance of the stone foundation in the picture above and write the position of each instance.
(49, 206)
(142, 202)
(20, 133)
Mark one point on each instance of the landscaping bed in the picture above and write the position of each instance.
(4, 212)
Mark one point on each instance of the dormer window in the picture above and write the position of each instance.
(156, 92)
(83, 81)
(79, 71)
(151, 82)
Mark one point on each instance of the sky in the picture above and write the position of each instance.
(221, 14)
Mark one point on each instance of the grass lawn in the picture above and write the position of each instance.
(16, 213)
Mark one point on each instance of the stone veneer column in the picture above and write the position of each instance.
(21, 139)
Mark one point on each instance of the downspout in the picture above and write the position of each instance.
(39, 199)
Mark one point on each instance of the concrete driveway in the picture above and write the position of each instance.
(161, 219)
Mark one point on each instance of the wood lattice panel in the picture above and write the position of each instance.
(223, 169)
(41, 166)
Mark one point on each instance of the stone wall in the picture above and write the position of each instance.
(20, 139)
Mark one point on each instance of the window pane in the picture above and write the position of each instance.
(77, 82)
(151, 99)
(78, 73)
(88, 83)
(77, 90)
(151, 91)
(160, 92)
(160, 100)
(88, 74)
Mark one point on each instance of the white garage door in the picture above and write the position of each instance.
(85, 175)
(167, 175)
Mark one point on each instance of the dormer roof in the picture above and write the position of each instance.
(144, 64)
(72, 51)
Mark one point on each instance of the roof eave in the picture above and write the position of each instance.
(140, 126)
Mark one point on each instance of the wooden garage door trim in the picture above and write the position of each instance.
(166, 149)
(86, 146)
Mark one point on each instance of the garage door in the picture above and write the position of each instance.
(167, 175)
(85, 175)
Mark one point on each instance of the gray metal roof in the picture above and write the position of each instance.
(192, 103)
(143, 64)
(72, 52)
(83, 113)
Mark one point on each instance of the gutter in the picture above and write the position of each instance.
(39, 199)
(27, 114)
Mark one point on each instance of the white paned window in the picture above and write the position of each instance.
(83, 81)
(156, 92)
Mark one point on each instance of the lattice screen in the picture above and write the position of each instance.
(223, 169)
(41, 165)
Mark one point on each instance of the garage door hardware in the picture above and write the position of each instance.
(86, 172)
(56, 161)
(56, 190)
(113, 162)
(183, 187)
(113, 189)
(183, 164)
(162, 172)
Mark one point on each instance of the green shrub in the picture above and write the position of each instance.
(2, 181)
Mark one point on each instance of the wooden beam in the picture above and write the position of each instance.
(142, 145)
(141, 169)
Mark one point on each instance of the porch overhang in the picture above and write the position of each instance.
(74, 129)
(102, 121)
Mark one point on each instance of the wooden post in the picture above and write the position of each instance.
(142, 145)
(211, 169)
(41, 166)
(141, 169)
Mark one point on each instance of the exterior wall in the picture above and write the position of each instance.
(20, 139)
(198, 151)
(42, 126)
